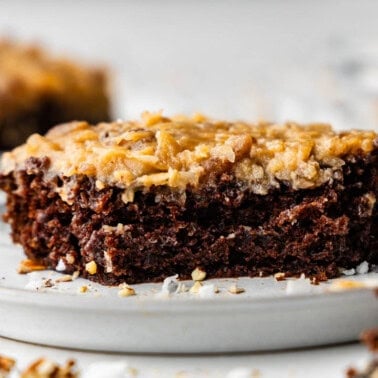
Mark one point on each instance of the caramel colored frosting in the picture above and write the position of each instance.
(29, 75)
(176, 152)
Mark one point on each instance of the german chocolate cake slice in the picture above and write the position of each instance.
(39, 90)
(140, 201)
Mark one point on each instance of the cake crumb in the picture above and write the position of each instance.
(91, 267)
(65, 278)
(196, 287)
(75, 275)
(36, 282)
(45, 368)
(234, 289)
(346, 285)
(28, 266)
(83, 289)
(6, 365)
(280, 276)
(198, 274)
(126, 291)
(48, 282)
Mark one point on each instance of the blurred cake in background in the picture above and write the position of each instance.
(38, 90)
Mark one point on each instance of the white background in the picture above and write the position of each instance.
(278, 60)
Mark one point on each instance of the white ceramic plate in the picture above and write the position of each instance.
(265, 317)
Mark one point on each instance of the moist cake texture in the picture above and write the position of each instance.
(143, 200)
(38, 90)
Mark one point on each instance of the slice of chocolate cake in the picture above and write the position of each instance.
(140, 201)
(38, 91)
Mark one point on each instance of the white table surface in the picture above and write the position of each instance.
(331, 361)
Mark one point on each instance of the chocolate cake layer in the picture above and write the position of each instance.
(223, 227)
(139, 201)
(38, 91)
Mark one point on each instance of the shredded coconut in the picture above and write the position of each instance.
(170, 286)
(234, 289)
(349, 272)
(363, 268)
(300, 285)
(162, 151)
(61, 266)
